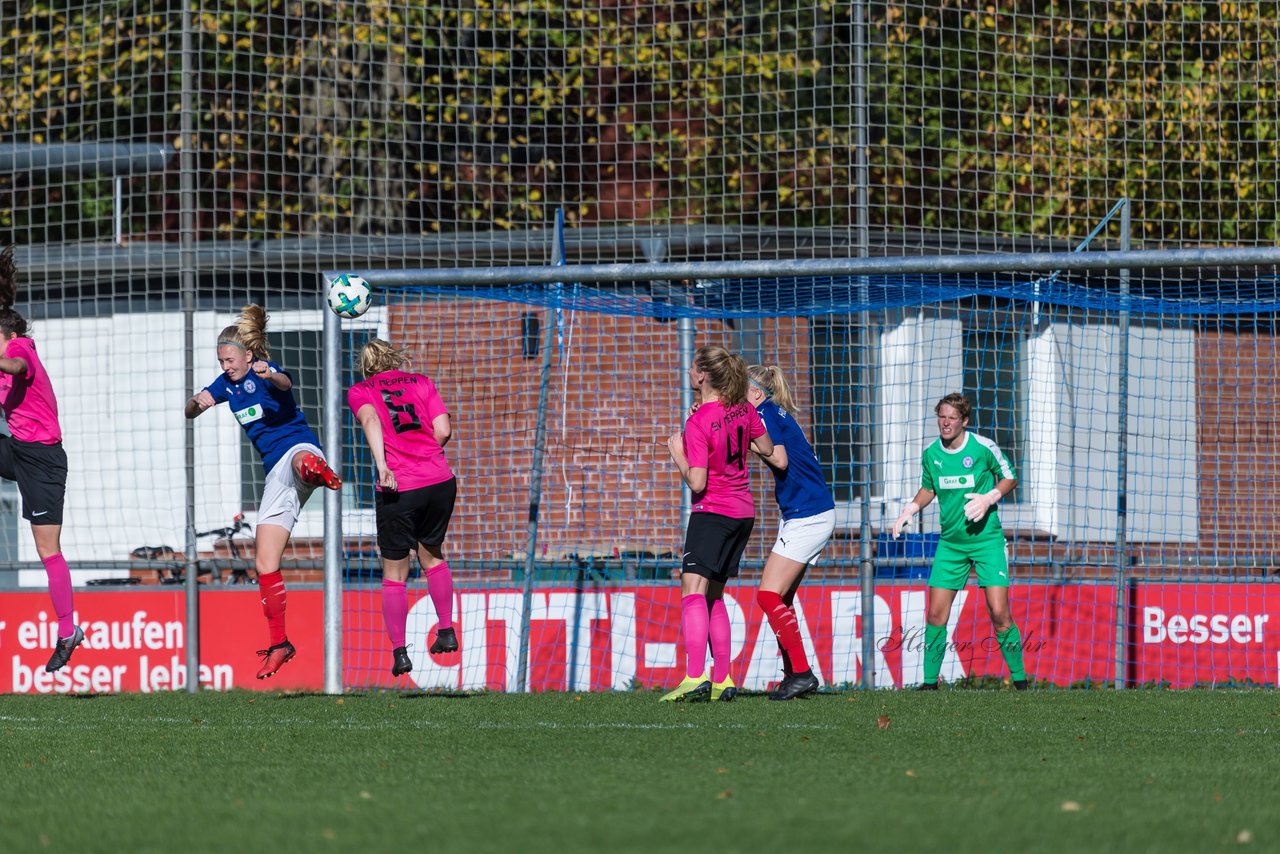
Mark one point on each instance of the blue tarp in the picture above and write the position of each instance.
(806, 297)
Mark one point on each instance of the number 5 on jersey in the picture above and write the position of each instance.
(411, 422)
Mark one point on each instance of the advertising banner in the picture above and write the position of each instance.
(593, 639)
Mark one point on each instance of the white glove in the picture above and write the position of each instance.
(979, 503)
(904, 518)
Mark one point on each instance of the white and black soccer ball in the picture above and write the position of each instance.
(350, 296)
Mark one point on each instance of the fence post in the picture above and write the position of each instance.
(334, 553)
(187, 185)
(535, 468)
(1122, 468)
(863, 426)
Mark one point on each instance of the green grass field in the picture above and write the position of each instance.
(887, 771)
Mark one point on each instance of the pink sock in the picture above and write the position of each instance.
(440, 588)
(395, 610)
(693, 624)
(55, 567)
(721, 641)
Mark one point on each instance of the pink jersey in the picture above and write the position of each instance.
(406, 404)
(718, 440)
(27, 398)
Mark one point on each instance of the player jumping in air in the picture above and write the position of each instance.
(711, 453)
(406, 427)
(808, 520)
(260, 396)
(33, 455)
(969, 474)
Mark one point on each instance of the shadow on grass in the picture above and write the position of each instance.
(398, 695)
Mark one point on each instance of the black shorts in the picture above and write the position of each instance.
(41, 474)
(406, 519)
(713, 545)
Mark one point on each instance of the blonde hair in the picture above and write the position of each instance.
(377, 356)
(726, 372)
(769, 379)
(249, 332)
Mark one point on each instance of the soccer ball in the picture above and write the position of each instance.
(350, 296)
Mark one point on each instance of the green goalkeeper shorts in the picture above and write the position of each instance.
(952, 561)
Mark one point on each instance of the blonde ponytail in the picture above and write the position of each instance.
(770, 379)
(249, 332)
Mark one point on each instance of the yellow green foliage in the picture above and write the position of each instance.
(1040, 121)
(326, 116)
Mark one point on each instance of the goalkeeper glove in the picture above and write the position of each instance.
(980, 503)
(904, 518)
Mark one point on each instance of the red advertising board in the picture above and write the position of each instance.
(627, 636)
(136, 641)
(580, 640)
(1205, 634)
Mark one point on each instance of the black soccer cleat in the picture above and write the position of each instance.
(927, 686)
(446, 641)
(400, 661)
(1020, 685)
(795, 685)
(62, 651)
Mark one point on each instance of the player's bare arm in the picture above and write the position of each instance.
(372, 427)
(279, 379)
(442, 429)
(201, 401)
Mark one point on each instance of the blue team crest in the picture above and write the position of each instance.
(967, 462)
(250, 386)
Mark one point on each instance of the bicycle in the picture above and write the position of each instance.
(239, 574)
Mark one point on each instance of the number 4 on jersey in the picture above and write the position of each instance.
(738, 455)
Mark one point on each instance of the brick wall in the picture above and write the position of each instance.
(1238, 418)
(613, 400)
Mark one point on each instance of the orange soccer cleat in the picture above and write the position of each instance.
(315, 471)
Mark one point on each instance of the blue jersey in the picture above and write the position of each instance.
(270, 417)
(801, 490)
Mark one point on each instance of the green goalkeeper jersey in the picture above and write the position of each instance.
(977, 466)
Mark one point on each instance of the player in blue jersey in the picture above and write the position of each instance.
(260, 396)
(808, 520)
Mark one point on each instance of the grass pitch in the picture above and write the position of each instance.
(885, 771)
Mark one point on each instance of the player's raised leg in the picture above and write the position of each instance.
(270, 541)
(395, 610)
(60, 593)
(440, 589)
